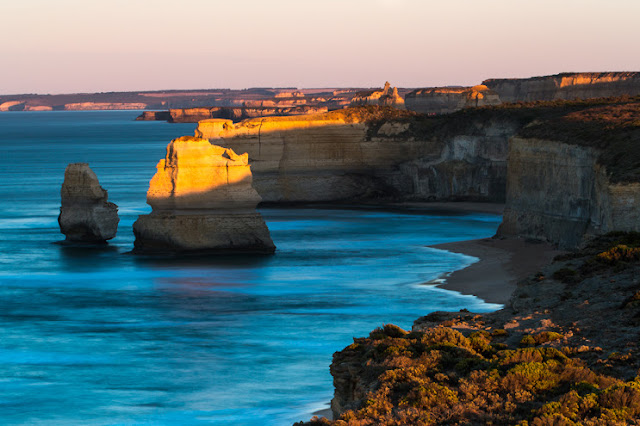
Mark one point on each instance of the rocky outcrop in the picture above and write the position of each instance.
(388, 96)
(86, 215)
(443, 100)
(202, 201)
(560, 193)
(12, 106)
(154, 116)
(346, 155)
(566, 86)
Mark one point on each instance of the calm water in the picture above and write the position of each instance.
(100, 337)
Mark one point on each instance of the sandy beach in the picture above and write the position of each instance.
(503, 262)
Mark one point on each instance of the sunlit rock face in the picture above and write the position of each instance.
(443, 100)
(202, 200)
(386, 97)
(566, 86)
(86, 215)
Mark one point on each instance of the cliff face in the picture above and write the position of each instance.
(443, 100)
(560, 193)
(471, 165)
(202, 200)
(566, 86)
(334, 156)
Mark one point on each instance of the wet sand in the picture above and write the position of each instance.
(503, 262)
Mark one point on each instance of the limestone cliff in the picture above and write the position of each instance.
(561, 193)
(368, 153)
(566, 86)
(575, 176)
(443, 100)
(85, 214)
(202, 200)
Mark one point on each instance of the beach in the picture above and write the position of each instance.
(503, 262)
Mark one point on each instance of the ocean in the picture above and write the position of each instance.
(99, 336)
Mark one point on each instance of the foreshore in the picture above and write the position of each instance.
(503, 262)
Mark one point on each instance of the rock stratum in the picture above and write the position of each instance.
(202, 200)
(443, 100)
(566, 86)
(85, 215)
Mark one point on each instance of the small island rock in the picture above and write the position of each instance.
(86, 215)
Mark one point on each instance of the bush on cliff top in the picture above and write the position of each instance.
(442, 376)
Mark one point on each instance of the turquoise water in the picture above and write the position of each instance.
(95, 336)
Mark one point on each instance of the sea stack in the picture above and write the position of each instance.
(202, 200)
(86, 216)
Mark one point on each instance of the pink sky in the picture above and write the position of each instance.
(62, 46)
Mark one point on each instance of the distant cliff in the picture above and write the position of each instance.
(193, 115)
(443, 100)
(254, 98)
(388, 96)
(566, 86)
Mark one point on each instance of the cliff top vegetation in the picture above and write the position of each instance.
(565, 352)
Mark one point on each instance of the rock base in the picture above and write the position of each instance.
(184, 233)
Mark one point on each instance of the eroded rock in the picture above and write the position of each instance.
(202, 201)
(86, 215)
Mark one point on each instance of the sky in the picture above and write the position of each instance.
(71, 46)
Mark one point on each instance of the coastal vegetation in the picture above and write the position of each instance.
(565, 352)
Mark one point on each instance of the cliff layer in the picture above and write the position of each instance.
(443, 100)
(85, 214)
(202, 201)
(566, 86)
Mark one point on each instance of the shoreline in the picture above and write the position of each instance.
(502, 264)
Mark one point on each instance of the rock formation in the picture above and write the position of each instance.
(202, 201)
(349, 155)
(443, 100)
(386, 97)
(154, 116)
(86, 215)
(566, 86)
